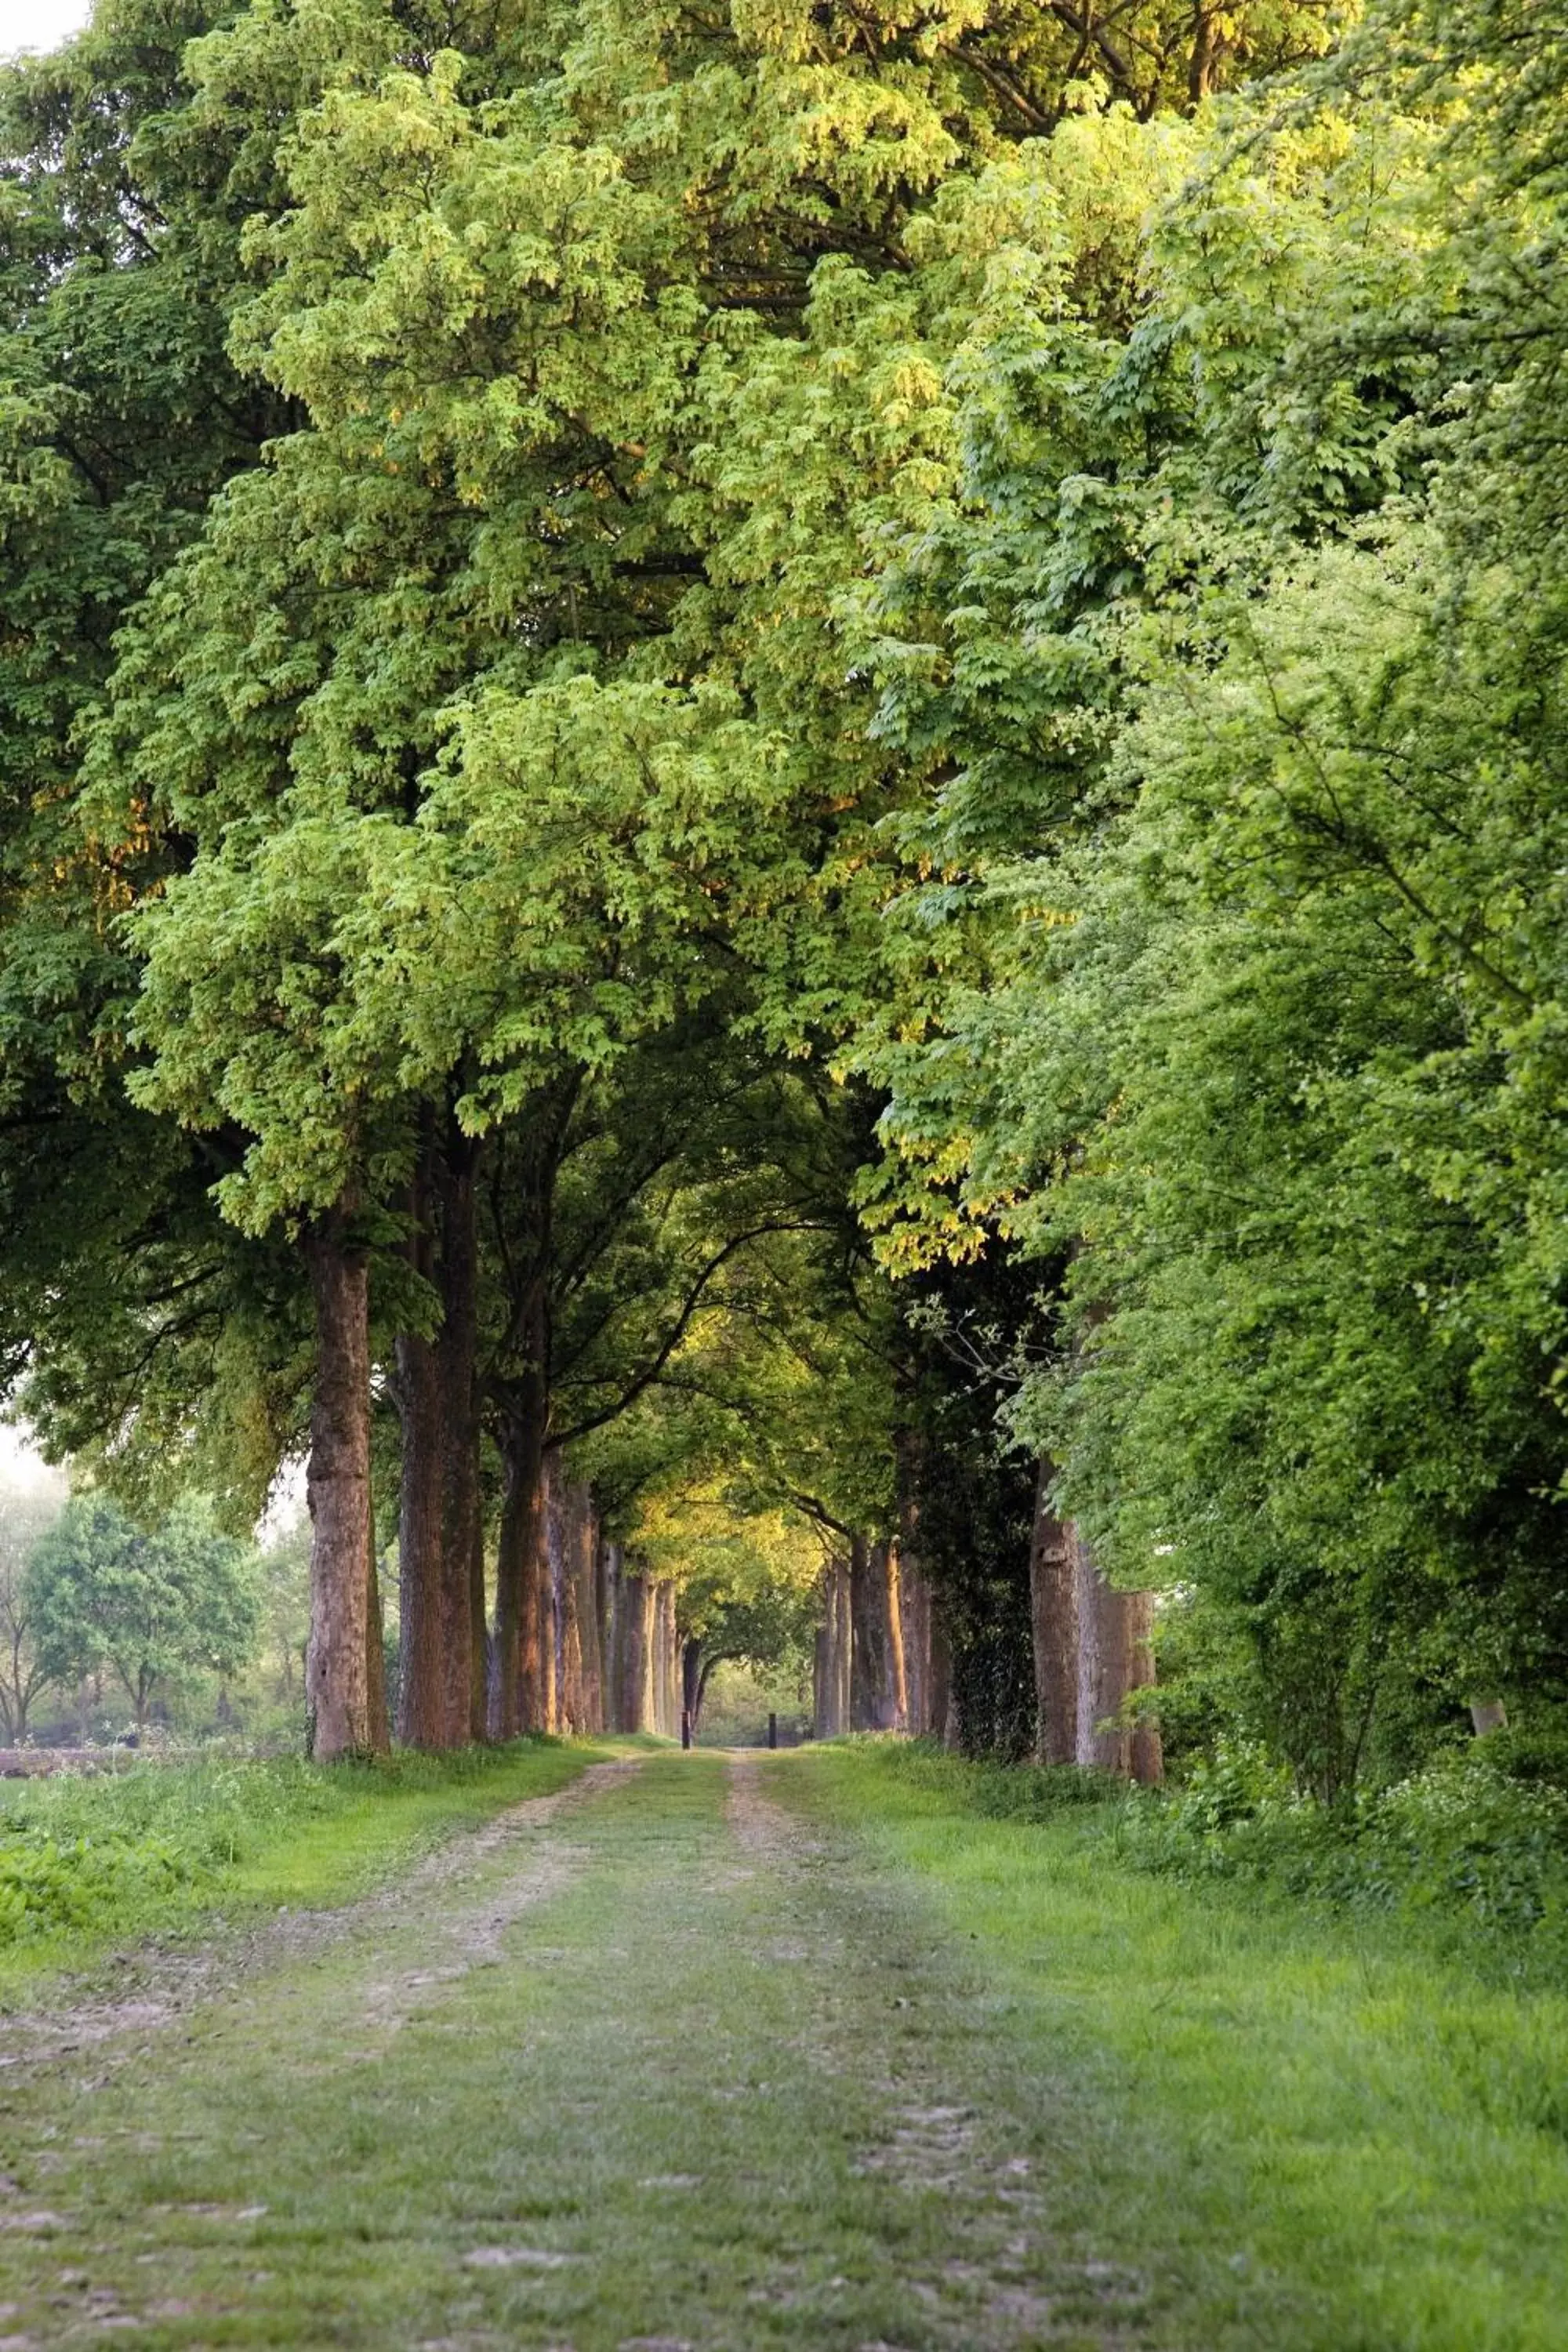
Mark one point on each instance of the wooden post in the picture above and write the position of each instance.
(773, 1729)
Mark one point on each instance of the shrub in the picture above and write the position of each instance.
(1465, 1837)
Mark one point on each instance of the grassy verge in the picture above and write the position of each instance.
(85, 1861)
(1332, 2121)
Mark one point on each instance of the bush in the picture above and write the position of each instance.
(45, 1887)
(1466, 1837)
(106, 1850)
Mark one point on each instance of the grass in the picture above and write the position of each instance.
(1322, 2134)
(644, 2103)
(87, 1861)
(866, 2068)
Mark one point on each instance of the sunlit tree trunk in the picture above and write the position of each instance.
(614, 1623)
(573, 1713)
(635, 1685)
(832, 1675)
(874, 1661)
(337, 1487)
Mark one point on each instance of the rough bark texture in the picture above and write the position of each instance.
(514, 1647)
(585, 1702)
(551, 1539)
(635, 1604)
(668, 1716)
(941, 1700)
(914, 1619)
(457, 1356)
(1114, 1656)
(421, 1702)
(1053, 1609)
(693, 1683)
(831, 1691)
(441, 1699)
(605, 1556)
(874, 1654)
(915, 1615)
(375, 1653)
(337, 1489)
(913, 1591)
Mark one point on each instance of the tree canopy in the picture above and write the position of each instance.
(809, 757)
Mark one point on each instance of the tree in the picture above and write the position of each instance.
(145, 1603)
(26, 1513)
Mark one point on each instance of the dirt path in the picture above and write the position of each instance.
(653, 2065)
(154, 1985)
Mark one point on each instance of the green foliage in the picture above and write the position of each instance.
(1348, 2128)
(565, 562)
(145, 1603)
(26, 1513)
(97, 1854)
(1463, 1838)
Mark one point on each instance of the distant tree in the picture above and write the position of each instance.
(103, 1593)
(25, 1515)
(285, 1566)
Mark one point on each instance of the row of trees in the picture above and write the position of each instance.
(802, 759)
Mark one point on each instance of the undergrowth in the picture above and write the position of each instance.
(1470, 1844)
(1464, 1839)
(107, 1853)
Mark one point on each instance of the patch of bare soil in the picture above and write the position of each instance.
(1002, 2285)
(157, 1985)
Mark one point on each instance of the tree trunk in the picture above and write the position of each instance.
(874, 1638)
(555, 1557)
(456, 1357)
(637, 1602)
(585, 1574)
(1053, 1608)
(572, 1710)
(913, 1592)
(605, 1616)
(375, 1651)
(421, 1679)
(692, 1682)
(584, 1704)
(668, 1664)
(898, 1679)
(1115, 1656)
(337, 1489)
(441, 1701)
(514, 1650)
(614, 1623)
(833, 1713)
(942, 1708)
(547, 1569)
